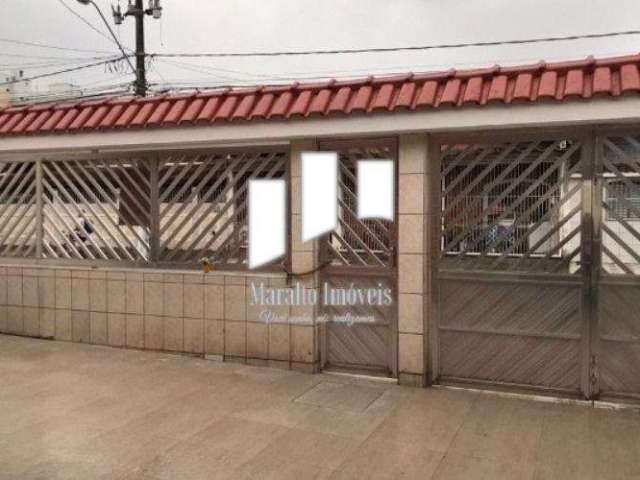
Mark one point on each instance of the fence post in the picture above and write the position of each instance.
(39, 210)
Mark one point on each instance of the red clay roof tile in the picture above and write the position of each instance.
(226, 109)
(81, 119)
(320, 102)
(522, 88)
(158, 114)
(382, 98)
(558, 81)
(548, 85)
(111, 117)
(66, 120)
(128, 115)
(192, 111)
(25, 122)
(300, 104)
(11, 122)
(574, 84)
(473, 90)
(405, 95)
(629, 78)
(281, 105)
(339, 100)
(602, 80)
(3, 118)
(361, 99)
(427, 95)
(97, 117)
(52, 121)
(143, 115)
(39, 121)
(244, 108)
(262, 106)
(451, 92)
(498, 88)
(209, 109)
(176, 111)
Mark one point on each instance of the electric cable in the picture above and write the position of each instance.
(404, 49)
(59, 72)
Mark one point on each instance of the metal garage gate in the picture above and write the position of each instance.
(359, 254)
(538, 279)
(617, 346)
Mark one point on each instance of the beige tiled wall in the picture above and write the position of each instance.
(186, 312)
(211, 314)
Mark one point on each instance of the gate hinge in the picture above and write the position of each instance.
(593, 364)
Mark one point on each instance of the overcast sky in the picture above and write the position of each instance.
(268, 25)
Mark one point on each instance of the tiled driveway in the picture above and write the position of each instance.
(70, 411)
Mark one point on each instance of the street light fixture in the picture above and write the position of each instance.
(154, 10)
(117, 14)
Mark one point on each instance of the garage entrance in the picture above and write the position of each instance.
(617, 346)
(537, 284)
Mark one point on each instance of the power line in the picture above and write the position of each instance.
(78, 93)
(404, 49)
(54, 47)
(213, 71)
(212, 74)
(209, 71)
(86, 22)
(113, 35)
(46, 99)
(59, 72)
(157, 71)
(40, 65)
(53, 57)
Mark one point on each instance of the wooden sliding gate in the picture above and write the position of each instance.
(538, 282)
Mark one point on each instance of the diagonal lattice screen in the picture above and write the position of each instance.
(18, 209)
(359, 242)
(203, 203)
(620, 179)
(96, 209)
(513, 206)
(173, 208)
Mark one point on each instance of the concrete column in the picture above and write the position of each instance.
(413, 290)
(304, 338)
(433, 226)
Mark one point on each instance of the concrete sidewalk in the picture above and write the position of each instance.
(70, 411)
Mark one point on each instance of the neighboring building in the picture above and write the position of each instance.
(18, 90)
(64, 88)
(514, 260)
(21, 92)
(4, 97)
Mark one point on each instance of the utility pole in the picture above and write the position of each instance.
(137, 11)
(141, 73)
